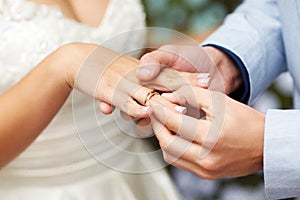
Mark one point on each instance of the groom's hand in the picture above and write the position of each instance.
(175, 56)
(217, 70)
(214, 69)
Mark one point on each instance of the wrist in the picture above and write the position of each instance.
(231, 75)
(68, 60)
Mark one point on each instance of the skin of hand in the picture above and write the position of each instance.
(178, 57)
(227, 142)
(223, 74)
(109, 76)
(167, 80)
(215, 69)
(124, 80)
(218, 70)
(144, 127)
(29, 106)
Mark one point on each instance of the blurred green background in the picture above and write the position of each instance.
(188, 16)
(195, 17)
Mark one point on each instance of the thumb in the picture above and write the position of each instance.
(106, 108)
(148, 72)
(149, 68)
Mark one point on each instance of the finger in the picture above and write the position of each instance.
(164, 102)
(169, 80)
(165, 55)
(144, 127)
(187, 127)
(140, 94)
(189, 166)
(106, 108)
(191, 111)
(151, 64)
(146, 72)
(175, 145)
(182, 163)
(136, 91)
(171, 97)
(127, 117)
(187, 58)
(197, 97)
(126, 104)
(196, 79)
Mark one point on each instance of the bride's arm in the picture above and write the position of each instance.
(29, 106)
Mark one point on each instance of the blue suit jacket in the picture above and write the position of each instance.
(265, 35)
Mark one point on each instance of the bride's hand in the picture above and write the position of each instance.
(167, 80)
(96, 71)
(110, 77)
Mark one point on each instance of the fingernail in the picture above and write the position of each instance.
(180, 109)
(144, 71)
(202, 82)
(203, 75)
(146, 108)
(203, 79)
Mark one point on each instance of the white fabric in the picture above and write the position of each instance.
(57, 165)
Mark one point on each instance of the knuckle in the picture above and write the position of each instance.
(181, 94)
(134, 110)
(201, 134)
(210, 165)
(168, 158)
(133, 113)
(163, 144)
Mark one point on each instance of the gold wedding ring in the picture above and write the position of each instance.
(149, 95)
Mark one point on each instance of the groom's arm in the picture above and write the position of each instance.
(252, 36)
(225, 76)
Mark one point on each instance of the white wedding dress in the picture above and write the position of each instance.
(59, 165)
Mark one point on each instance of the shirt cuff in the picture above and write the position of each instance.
(242, 94)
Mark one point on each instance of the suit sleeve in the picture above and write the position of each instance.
(253, 34)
